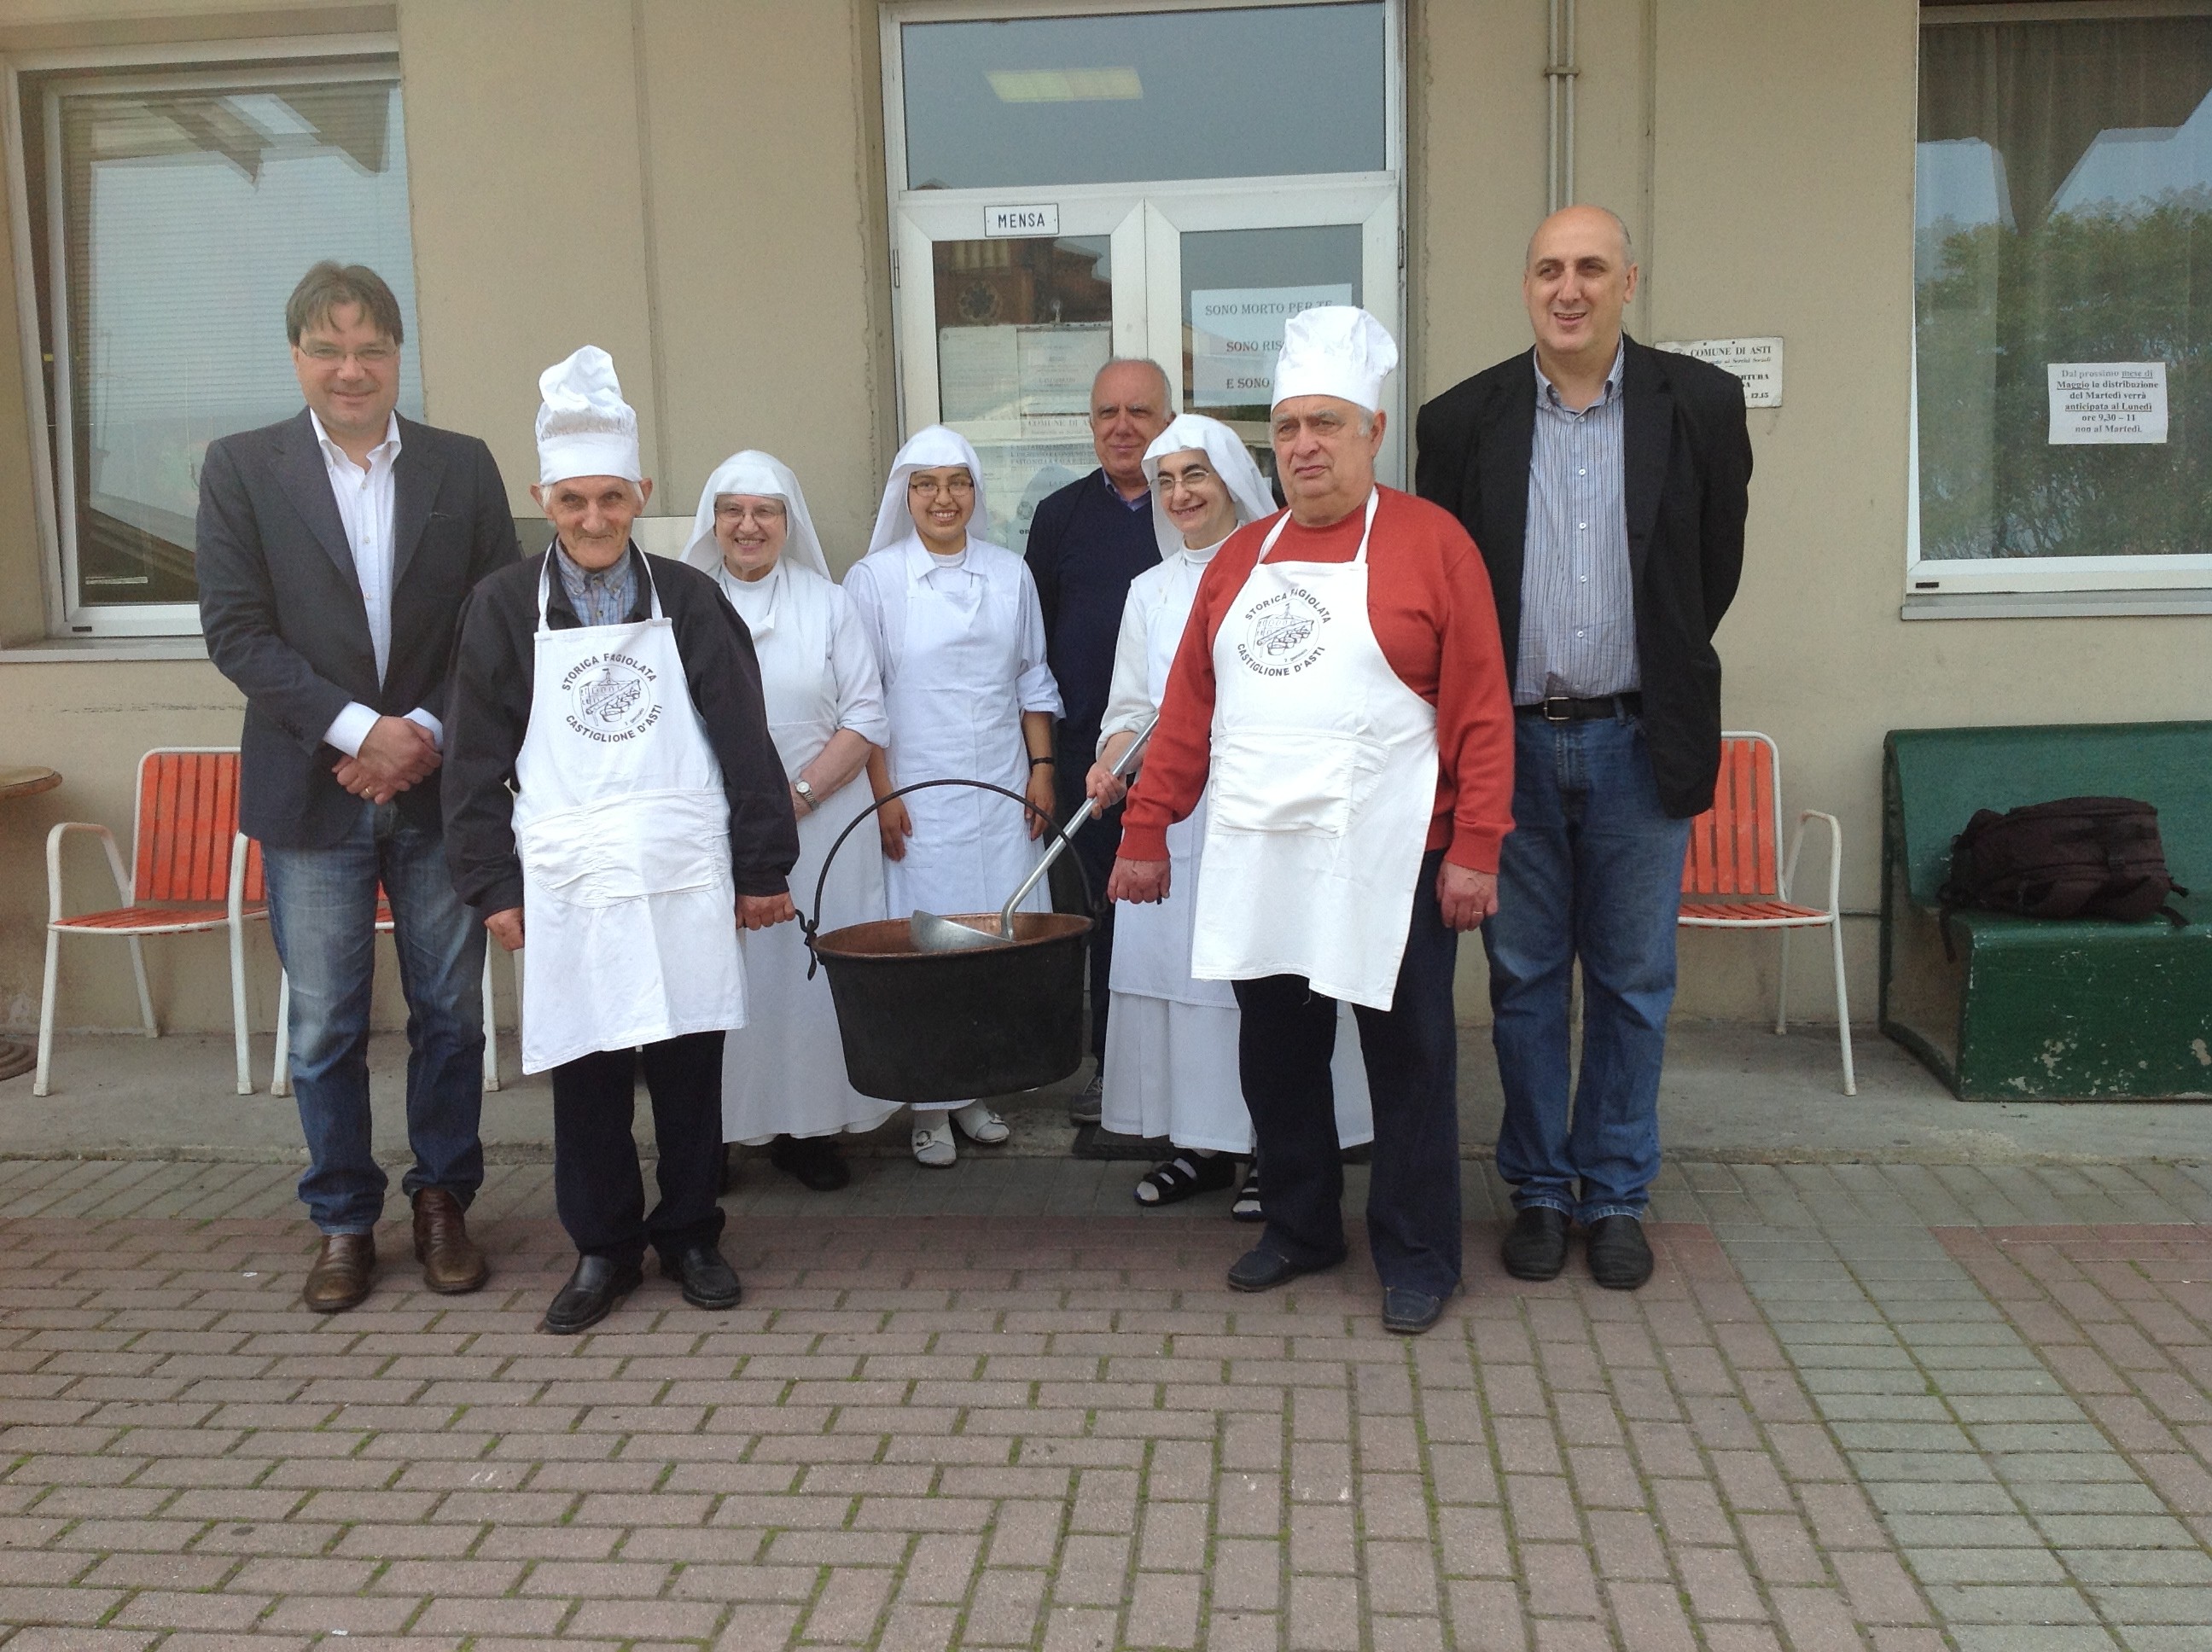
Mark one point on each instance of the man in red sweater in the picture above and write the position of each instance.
(1340, 701)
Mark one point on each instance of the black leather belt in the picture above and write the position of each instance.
(1564, 709)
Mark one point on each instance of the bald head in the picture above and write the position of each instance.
(1580, 276)
(1130, 403)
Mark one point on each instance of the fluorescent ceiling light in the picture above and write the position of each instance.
(1066, 85)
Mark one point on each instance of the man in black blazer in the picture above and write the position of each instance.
(334, 551)
(1607, 485)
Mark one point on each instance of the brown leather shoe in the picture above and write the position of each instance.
(339, 1278)
(450, 1262)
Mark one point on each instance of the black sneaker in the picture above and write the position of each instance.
(1536, 1247)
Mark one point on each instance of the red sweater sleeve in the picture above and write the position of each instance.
(1429, 600)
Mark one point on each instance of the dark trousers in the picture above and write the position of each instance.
(1412, 1054)
(597, 1186)
(1095, 845)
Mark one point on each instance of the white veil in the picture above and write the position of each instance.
(926, 450)
(755, 472)
(1231, 460)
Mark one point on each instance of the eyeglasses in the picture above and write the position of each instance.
(369, 355)
(922, 486)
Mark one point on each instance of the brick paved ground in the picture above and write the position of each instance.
(1895, 1408)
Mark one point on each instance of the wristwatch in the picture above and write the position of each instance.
(807, 792)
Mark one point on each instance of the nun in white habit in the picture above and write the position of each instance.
(783, 1076)
(960, 639)
(1171, 1066)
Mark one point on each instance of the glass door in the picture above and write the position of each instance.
(1021, 265)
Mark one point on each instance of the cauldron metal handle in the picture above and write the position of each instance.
(809, 925)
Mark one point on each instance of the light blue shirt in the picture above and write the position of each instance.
(1578, 600)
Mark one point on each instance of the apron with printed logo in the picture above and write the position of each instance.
(630, 913)
(1324, 781)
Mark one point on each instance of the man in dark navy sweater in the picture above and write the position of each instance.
(1087, 542)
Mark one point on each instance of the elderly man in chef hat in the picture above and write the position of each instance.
(1338, 699)
(648, 819)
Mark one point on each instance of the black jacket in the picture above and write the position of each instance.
(488, 713)
(1686, 454)
(280, 602)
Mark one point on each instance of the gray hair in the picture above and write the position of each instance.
(1619, 224)
(1167, 385)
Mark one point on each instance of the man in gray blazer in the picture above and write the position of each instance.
(334, 550)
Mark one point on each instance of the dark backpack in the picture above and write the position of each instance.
(2076, 858)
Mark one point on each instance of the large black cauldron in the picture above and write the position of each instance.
(953, 1026)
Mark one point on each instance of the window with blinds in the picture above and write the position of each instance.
(180, 209)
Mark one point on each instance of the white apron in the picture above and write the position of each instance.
(1171, 1062)
(1324, 781)
(628, 911)
(784, 1072)
(956, 714)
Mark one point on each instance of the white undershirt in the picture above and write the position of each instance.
(364, 498)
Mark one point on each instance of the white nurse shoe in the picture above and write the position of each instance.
(933, 1142)
(980, 1124)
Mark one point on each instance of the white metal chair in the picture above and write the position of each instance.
(1731, 880)
(194, 873)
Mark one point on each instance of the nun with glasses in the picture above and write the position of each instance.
(1171, 1061)
(783, 1074)
(960, 639)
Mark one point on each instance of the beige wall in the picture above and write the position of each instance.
(713, 214)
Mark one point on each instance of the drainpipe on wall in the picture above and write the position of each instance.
(1559, 72)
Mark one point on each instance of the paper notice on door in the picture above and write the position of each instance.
(1236, 333)
(978, 372)
(1057, 366)
(2095, 403)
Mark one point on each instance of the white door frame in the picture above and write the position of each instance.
(1144, 221)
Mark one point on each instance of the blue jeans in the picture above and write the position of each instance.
(1592, 870)
(322, 912)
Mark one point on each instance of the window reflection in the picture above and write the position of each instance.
(1245, 92)
(187, 216)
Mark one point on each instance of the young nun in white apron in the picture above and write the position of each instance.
(1171, 1066)
(783, 1074)
(960, 640)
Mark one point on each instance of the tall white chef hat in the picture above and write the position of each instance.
(1231, 460)
(1335, 350)
(926, 450)
(584, 426)
(768, 477)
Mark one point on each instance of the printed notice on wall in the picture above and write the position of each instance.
(2093, 402)
(1757, 361)
(1236, 333)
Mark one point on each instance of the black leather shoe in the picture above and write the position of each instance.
(814, 1160)
(1536, 1247)
(1262, 1269)
(593, 1290)
(1619, 1254)
(708, 1281)
(1409, 1313)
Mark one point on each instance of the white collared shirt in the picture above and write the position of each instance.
(365, 500)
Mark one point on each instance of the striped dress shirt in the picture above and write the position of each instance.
(1578, 601)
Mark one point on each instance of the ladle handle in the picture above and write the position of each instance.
(808, 925)
(1068, 834)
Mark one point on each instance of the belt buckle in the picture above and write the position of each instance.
(1565, 702)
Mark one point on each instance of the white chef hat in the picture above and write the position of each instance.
(1231, 460)
(764, 475)
(584, 426)
(1335, 350)
(926, 450)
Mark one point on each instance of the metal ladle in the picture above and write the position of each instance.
(932, 933)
